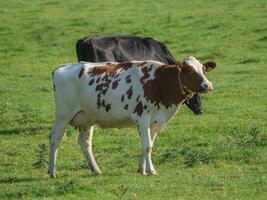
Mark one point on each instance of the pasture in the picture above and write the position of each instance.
(221, 154)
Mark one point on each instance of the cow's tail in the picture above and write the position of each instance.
(54, 86)
(53, 75)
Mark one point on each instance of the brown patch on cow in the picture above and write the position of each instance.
(81, 72)
(122, 98)
(138, 109)
(91, 82)
(110, 68)
(145, 75)
(129, 92)
(108, 107)
(126, 107)
(128, 79)
(115, 84)
(137, 99)
(164, 88)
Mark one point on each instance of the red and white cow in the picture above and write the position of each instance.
(145, 93)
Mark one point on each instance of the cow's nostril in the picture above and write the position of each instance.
(206, 85)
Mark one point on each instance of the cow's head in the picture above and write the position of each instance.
(193, 75)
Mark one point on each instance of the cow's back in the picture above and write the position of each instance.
(122, 48)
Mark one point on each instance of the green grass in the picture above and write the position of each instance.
(219, 155)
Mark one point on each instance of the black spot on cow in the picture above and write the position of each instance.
(128, 79)
(105, 77)
(103, 86)
(98, 102)
(126, 107)
(115, 84)
(150, 68)
(137, 99)
(122, 98)
(145, 107)
(81, 72)
(103, 103)
(91, 82)
(108, 107)
(99, 87)
(98, 79)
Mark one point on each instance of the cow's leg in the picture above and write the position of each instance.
(153, 135)
(55, 137)
(142, 163)
(85, 141)
(146, 162)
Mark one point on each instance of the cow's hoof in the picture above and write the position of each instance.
(142, 171)
(97, 172)
(152, 173)
(53, 176)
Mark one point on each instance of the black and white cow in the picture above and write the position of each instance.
(142, 93)
(128, 48)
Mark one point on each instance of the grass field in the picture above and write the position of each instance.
(219, 155)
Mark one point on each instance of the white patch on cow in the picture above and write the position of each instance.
(193, 62)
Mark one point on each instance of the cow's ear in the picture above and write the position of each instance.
(210, 65)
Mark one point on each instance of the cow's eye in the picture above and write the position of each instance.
(187, 70)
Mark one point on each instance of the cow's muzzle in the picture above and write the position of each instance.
(206, 87)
